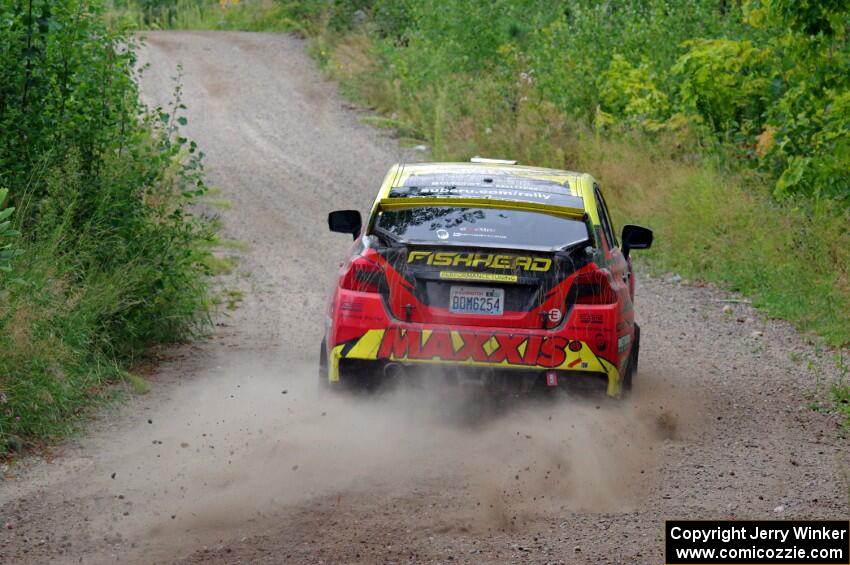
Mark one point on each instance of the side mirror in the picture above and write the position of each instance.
(636, 237)
(345, 221)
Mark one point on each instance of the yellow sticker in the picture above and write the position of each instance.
(452, 259)
(462, 276)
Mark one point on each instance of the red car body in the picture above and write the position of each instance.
(490, 272)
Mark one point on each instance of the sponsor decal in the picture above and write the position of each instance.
(473, 276)
(472, 191)
(533, 350)
(555, 315)
(477, 185)
(442, 234)
(486, 260)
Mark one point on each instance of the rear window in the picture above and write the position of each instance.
(487, 227)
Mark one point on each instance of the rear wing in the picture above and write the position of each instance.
(398, 203)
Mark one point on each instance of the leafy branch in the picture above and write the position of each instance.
(6, 232)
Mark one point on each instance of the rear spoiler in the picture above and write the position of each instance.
(398, 203)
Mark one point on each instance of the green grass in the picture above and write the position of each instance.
(221, 203)
(224, 243)
(138, 384)
(245, 15)
(841, 399)
(840, 390)
(231, 298)
(65, 339)
(218, 265)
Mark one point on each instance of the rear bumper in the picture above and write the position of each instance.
(360, 329)
(372, 374)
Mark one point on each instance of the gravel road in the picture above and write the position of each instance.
(233, 457)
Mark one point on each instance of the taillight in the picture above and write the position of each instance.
(594, 287)
(363, 276)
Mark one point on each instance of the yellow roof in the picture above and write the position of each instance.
(402, 172)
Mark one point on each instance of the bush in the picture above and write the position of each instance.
(6, 232)
(110, 257)
(723, 81)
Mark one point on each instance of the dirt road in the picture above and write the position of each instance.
(232, 457)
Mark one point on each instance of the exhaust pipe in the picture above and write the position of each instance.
(394, 371)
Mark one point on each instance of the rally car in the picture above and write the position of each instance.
(485, 272)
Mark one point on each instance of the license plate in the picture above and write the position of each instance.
(476, 300)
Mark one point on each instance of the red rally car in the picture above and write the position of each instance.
(486, 271)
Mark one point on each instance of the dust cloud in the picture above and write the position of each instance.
(231, 452)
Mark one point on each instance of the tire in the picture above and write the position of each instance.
(631, 371)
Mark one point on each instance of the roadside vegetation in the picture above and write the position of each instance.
(254, 15)
(101, 256)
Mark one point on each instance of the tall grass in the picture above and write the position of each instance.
(110, 258)
(243, 15)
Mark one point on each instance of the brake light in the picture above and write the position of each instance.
(594, 287)
(363, 276)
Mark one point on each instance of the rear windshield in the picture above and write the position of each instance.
(448, 225)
